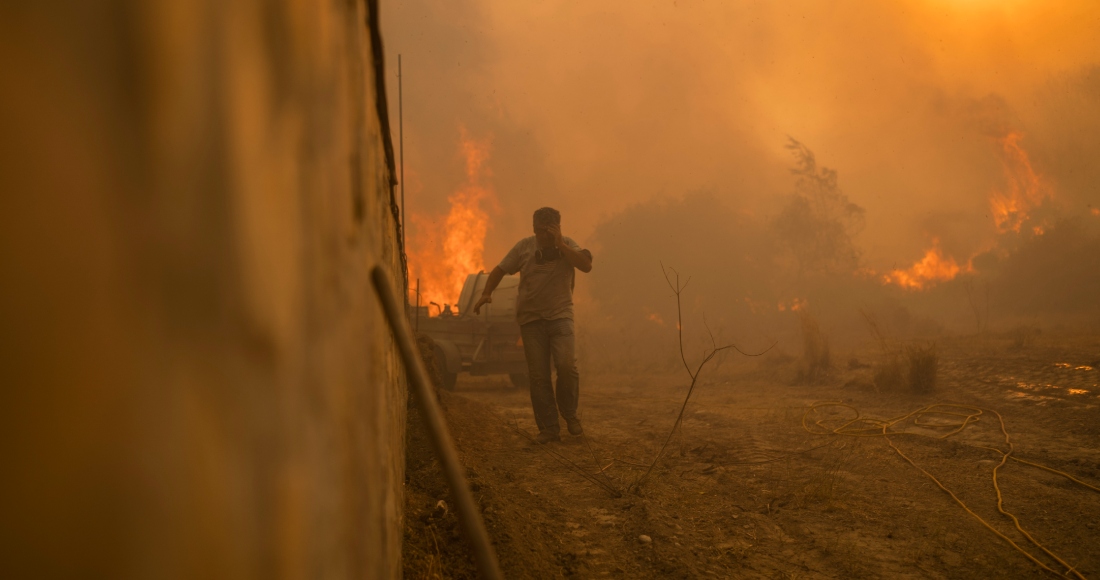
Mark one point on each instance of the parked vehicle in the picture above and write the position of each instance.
(484, 344)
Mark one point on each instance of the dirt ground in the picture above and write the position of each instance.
(745, 491)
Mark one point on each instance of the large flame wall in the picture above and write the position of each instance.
(444, 250)
(1011, 205)
(1024, 189)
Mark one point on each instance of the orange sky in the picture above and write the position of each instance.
(593, 106)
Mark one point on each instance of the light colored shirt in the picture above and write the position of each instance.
(545, 285)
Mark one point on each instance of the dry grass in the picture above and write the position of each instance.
(915, 371)
(425, 565)
(889, 376)
(427, 354)
(1024, 336)
(910, 368)
(821, 487)
(804, 486)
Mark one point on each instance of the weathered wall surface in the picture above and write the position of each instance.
(196, 379)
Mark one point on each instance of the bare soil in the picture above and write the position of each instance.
(745, 491)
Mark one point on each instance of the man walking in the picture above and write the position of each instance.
(544, 310)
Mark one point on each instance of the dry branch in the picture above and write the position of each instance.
(708, 354)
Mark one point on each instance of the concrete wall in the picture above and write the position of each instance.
(195, 378)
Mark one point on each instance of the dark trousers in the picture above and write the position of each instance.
(543, 341)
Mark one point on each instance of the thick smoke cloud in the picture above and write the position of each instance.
(615, 112)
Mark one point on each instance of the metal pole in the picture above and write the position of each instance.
(418, 304)
(401, 149)
(468, 515)
(488, 324)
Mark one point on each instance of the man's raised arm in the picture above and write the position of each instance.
(491, 284)
(580, 259)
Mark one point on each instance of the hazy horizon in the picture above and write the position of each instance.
(929, 112)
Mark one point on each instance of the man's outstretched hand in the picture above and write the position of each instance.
(490, 284)
(485, 299)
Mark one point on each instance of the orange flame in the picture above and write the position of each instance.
(932, 268)
(795, 305)
(1025, 190)
(441, 255)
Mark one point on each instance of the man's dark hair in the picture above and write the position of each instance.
(545, 216)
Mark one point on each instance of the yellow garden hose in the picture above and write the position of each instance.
(963, 415)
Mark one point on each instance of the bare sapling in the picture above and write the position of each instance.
(708, 355)
(889, 376)
(981, 315)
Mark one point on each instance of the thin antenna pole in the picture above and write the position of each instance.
(401, 147)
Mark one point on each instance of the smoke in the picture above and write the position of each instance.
(753, 278)
(619, 114)
(1051, 277)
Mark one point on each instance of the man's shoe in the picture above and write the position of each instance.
(574, 426)
(545, 437)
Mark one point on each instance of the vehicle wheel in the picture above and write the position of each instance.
(447, 378)
(520, 380)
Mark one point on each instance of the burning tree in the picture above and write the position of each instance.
(1024, 191)
(818, 222)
